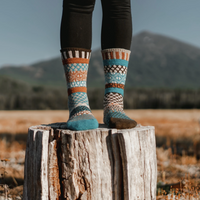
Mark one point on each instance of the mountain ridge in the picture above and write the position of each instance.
(156, 61)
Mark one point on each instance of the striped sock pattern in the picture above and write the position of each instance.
(115, 68)
(75, 62)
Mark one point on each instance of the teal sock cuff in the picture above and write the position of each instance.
(115, 62)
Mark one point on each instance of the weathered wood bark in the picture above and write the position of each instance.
(100, 164)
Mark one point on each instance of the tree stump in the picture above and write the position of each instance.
(100, 164)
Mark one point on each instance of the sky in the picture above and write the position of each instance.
(30, 30)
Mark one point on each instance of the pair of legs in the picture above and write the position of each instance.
(76, 37)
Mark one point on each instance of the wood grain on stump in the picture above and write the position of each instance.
(100, 164)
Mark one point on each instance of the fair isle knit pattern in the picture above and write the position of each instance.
(115, 68)
(75, 62)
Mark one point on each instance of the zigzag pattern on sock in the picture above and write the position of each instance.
(113, 107)
(75, 63)
(115, 69)
(113, 98)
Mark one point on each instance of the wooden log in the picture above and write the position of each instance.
(100, 164)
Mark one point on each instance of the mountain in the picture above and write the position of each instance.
(156, 61)
(47, 73)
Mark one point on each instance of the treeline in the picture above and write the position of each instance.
(162, 99)
(16, 95)
(40, 98)
(152, 99)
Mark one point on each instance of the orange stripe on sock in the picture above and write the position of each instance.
(75, 60)
(123, 55)
(77, 89)
(117, 55)
(111, 55)
(114, 85)
(127, 56)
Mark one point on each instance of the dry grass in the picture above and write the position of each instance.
(12, 157)
(180, 173)
(174, 123)
(178, 176)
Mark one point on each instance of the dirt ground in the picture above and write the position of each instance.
(169, 124)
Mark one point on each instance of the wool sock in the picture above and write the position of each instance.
(75, 63)
(115, 67)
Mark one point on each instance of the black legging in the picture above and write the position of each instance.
(76, 24)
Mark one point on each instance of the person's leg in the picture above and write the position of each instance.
(116, 25)
(76, 24)
(115, 43)
(75, 50)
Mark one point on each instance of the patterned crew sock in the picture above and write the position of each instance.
(75, 63)
(115, 67)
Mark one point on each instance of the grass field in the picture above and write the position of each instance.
(177, 136)
(174, 123)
